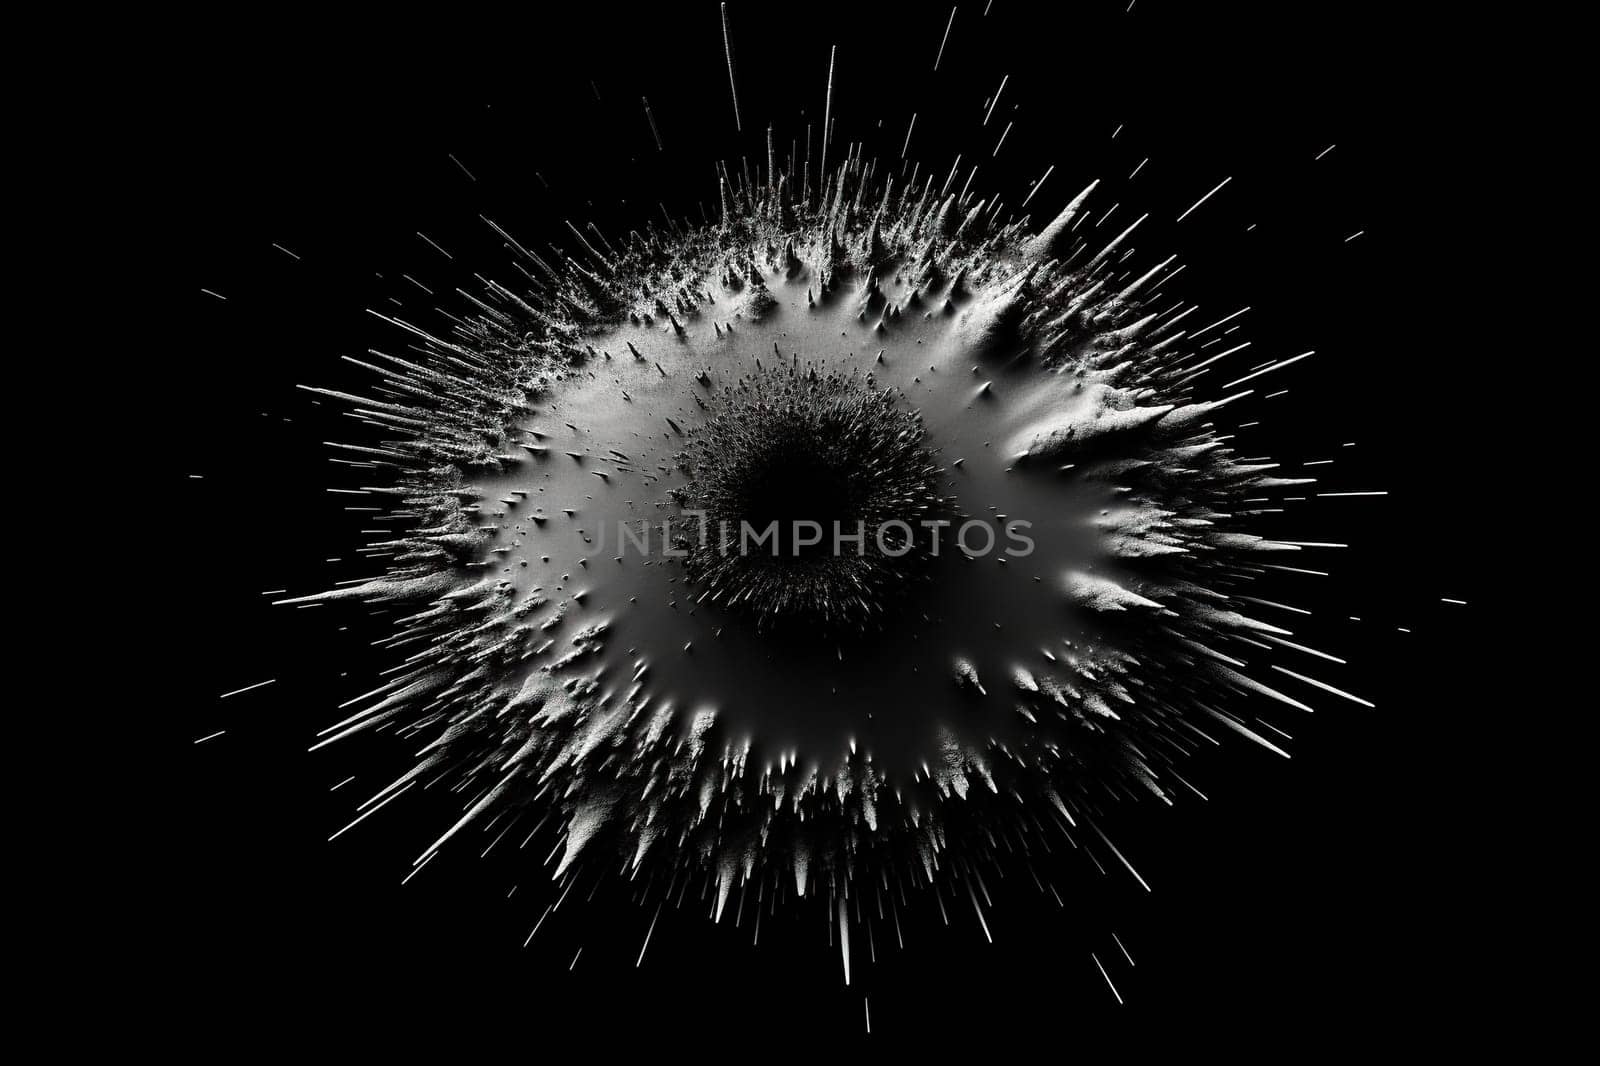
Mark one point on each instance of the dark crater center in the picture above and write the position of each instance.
(805, 498)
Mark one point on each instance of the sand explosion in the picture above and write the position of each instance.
(872, 355)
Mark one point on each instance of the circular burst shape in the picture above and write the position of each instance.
(1036, 615)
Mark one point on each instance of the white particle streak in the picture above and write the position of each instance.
(945, 40)
(1324, 687)
(640, 961)
(1268, 370)
(1107, 976)
(247, 688)
(418, 870)
(373, 811)
(1206, 197)
(1120, 857)
(1221, 321)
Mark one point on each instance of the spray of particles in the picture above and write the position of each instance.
(1046, 609)
(881, 351)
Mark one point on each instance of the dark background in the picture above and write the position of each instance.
(1334, 890)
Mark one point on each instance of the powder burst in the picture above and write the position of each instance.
(884, 351)
(1066, 612)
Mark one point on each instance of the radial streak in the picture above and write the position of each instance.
(827, 125)
(1206, 197)
(945, 39)
(733, 85)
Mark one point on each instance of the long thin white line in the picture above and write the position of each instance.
(996, 101)
(1326, 688)
(946, 38)
(1206, 197)
(247, 688)
(1107, 976)
(1220, 321)
(1268, 370)
(370, 813)
(646, 944)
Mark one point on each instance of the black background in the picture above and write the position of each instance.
(1333, 890)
